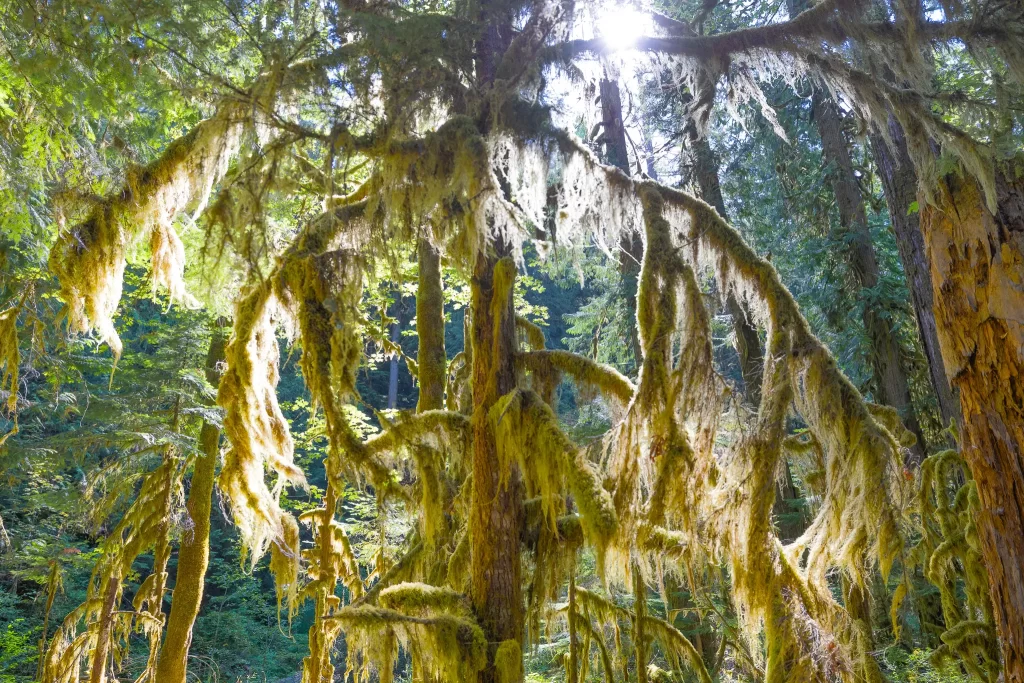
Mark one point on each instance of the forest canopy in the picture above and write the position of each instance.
(512, 340)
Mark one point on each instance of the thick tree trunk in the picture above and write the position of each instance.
(431, 358)
(194, 553)
(887, 366)
(748, 343)
(496, 517)
(496, 507)
(899, 180)
(977, 271)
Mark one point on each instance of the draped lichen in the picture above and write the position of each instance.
(444, 646)
(89, 259)
(666, 490)
(107, 630)
(10, 359)
(951, 557)
(258, 433)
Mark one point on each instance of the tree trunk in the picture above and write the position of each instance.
(431, 359)
(572, 670)
(194, 553)
(613, 137)
(496, 516)
(748, 343)
(977, 262)
(640, 645)
(396, 338)
(495, 519)
(100, 655)
(899, 180)
(889, 375)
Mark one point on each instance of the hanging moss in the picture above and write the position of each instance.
(533, 334)
(107, 630)
(528, 434)
(89, 259)
(508, 662)
(422, 600)
(589, 375)
(443, 647)
(10, 360)
(950, 551)
(257, 430)
(677, 647)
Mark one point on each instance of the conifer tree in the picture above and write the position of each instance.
(426, 133)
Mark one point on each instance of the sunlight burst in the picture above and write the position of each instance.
(621, 25)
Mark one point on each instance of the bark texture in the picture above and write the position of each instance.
(899, 181)
(977, 271)
(431, 357)
(889, 373)
(495, 521)
(194, 553)
(496, 516)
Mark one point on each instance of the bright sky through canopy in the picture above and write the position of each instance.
(621, 25)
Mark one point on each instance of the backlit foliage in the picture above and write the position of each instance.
(382, 131)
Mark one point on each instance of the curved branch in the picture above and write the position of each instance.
(606, 379)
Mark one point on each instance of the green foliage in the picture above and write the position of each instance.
(17, 651)
(916, 667)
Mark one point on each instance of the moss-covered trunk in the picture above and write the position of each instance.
(641, 646)
(977, 271)
(496, 516)
(890, 375)
(101, 653)
(431, 357)
(194, 553)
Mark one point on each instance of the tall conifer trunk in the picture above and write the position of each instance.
(431, 357)
(899, 181)
(613, 137)
(887, 365)
(194, 553)
(396, 338)
(748, 343)
(496, 517)
(496, 508)
(977, 271)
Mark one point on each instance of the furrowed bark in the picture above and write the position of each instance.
(899, 181)
(194, 553)
(431, 357)
(977, 261)
(495, 519)
(496, 514)
(889, 373)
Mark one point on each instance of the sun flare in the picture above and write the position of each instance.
(621, 25)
